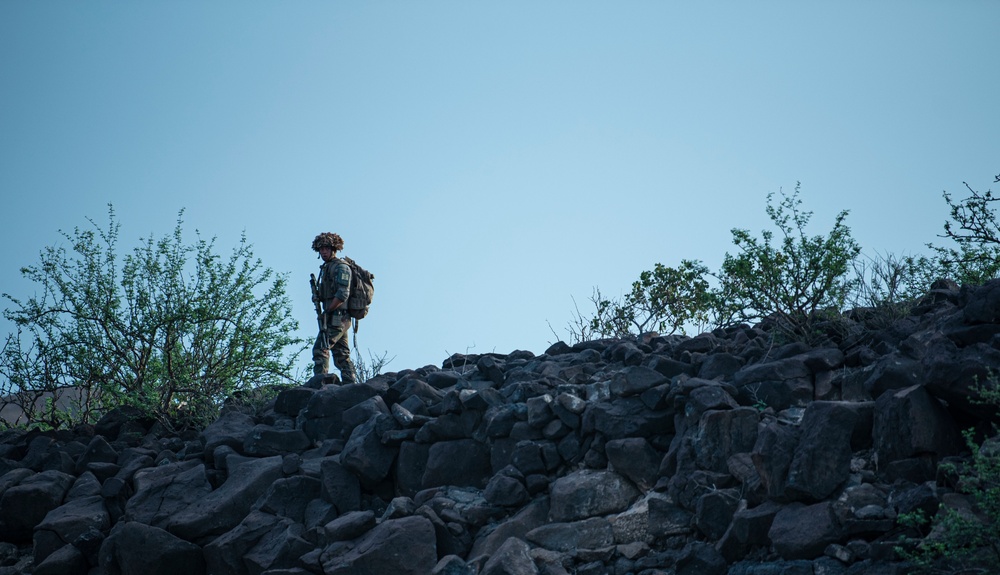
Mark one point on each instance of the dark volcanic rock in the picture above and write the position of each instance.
(401, 546)
(161, 492)
(778, 384)
(772, 457)
(264, 441)
(823, 455)
(589, 493)
(68, 524)
(910, 422)
(512, 558)
(25, 505)
(230, 430)
(730, 452)
(636, 459)
(593, 533)
(136, 549)
(804, 531)
(223, 509)
(722, 434)
(365, 454)
(289, 497)
(229, 552)
(462, 462)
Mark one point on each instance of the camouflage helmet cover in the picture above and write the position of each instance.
(326, 239)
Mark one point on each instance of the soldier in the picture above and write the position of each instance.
(333, 287)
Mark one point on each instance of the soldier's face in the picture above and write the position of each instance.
(326, 253)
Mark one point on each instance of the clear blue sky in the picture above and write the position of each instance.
(489, 161)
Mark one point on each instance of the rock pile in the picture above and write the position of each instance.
(721, 453)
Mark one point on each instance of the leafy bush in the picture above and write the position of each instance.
(794, 281)
(171, 328)
(975, 230)
(797, 281)
(664, 300)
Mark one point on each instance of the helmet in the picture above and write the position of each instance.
(328, 240)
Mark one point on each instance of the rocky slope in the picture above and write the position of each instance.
(722, 453)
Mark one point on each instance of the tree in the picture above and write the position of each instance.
(793, 281)
(171, 328)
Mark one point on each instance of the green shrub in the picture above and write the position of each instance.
(794, 281)
(962, 538)
(975, 230)
(665, 300)
(171, 328)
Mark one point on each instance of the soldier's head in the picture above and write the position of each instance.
(327, 245)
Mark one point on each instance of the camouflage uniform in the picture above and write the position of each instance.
(334, 282)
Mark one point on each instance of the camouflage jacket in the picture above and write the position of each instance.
(334, 282)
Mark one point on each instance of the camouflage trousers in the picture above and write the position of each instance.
(334, 338)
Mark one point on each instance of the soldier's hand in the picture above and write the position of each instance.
(315, 299)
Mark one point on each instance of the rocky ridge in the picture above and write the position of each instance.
(724, 453)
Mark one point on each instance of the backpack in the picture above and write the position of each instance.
(362, 290)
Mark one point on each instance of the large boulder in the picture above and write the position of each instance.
(462, 463)
(983, 305)
(339, 486)
(593, 533)
(910, 422)
(590, 493)
(70, 524)
(225, 554)
(224, 508)
(722, 434)
(365, 454)
(261, 542)
(625, 417)
(822, 460)
(403, 546)
(804, 531)
(893, 372)
(512, 558)
(264, 441)
(772, 457)
(531, 516)
(25, 505)
(323, 414)
(290, 496)
(635, 380)
(778, 384)
(636, 459)
(231, 430)
(748, 529)
(954, 375)
(161, 492)
(136, 549)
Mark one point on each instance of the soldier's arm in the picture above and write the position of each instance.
(342, 279)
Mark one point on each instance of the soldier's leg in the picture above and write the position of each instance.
(342, 353)
(321, 355)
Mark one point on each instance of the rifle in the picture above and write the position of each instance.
(319, 310)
